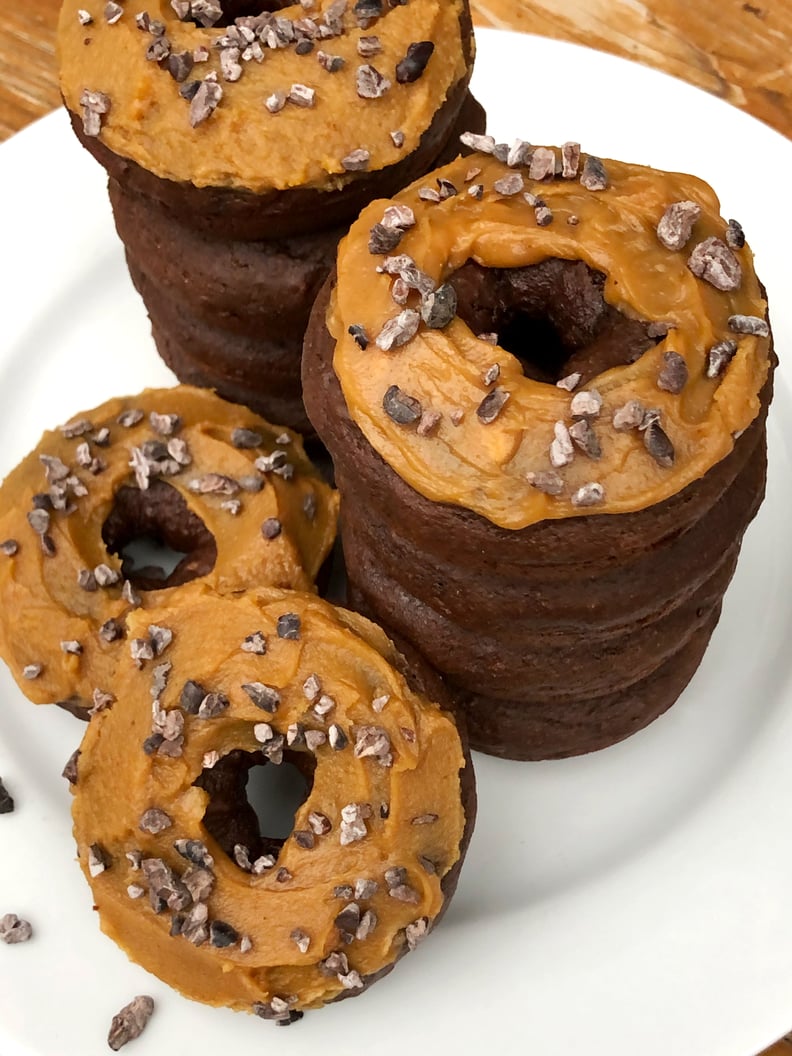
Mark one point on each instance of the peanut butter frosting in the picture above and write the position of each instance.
(454, 415)
(304, 97)
(278, 677)
(237, 489)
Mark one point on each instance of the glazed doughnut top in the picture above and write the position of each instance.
(300, 97)
(283, 677)
(455, 414)
(236, 495)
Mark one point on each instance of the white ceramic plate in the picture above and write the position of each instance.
(635, 901)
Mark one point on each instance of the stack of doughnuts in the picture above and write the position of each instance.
(546, 410)
(182, 878)
(240, 144)
(236, 496)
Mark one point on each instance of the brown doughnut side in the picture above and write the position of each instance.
(555, 639)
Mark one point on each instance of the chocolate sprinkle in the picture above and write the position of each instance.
(130, 1022)
(288, 626)
(13, 930)
(570, 160)
(438, 308)
(719, 357)
(70, 770)
(263, 696)
(735, 236)
(399, 330)
(749, 324)
(594, 176)
(414, 63)
(658, 445)
(6, 800)
(154, 821)
(673, 374)
(370, 83)
(676, 224)
(205, 101)
(400, 407)
(359, 334)
(714, 262)
(548, 482)
(271, 528)
(492, 405)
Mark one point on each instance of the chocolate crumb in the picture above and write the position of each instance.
(9, 547)
(715, 263)
(673, 374)
(85, 18)
(304, 838)
(749, 324)
(384, 239)
(255, 643)
(587, 403)
(131, 1021)
(483, 144)
(543, 164)
(275, 102)
(369, 46)
(205, 101)
(735, 236)
(154, 821)
(300, 939)
(400, 407)
(591, 494)
(509, 185)
(13, 930)
(6, 800)
(331, 63)
(570, 382)
(70, 770)
(336, 737)
(370, 82)
(676, 224)
(658, 445)
(32, 671)
(548, 482)
(359, 334)
(265, 697)
(222, 935)
(283, 875)
(319, 823)
(492, 405)
(416, 932)
(570, 160)
(98, 860)
(438, 308)
(179, 65)
(288, 626)
(71, 647)
(584, 437)
(356, 161)
(594, 176)
(412, 66)
(302, 95)
(629, 416)
(271, 528)
(398, 331)
(95, 107)
(398, 139)
(719, 357)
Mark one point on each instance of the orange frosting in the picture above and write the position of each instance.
(405, 786)
(242, 144)
(41, 602)
(487, 467)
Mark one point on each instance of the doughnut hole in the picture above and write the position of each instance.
(253, 802)
(158, 524)
(553, 317)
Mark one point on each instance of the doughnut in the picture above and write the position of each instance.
(546, 410)
(234, 495)
(182, 877)
(239, 147)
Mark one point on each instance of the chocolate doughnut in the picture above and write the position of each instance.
(182, 877)
(233, 495)
(549, 447)
(217, 195)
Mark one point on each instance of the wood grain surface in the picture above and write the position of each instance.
(741, 52)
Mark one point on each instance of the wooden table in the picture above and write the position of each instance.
(739, 51)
